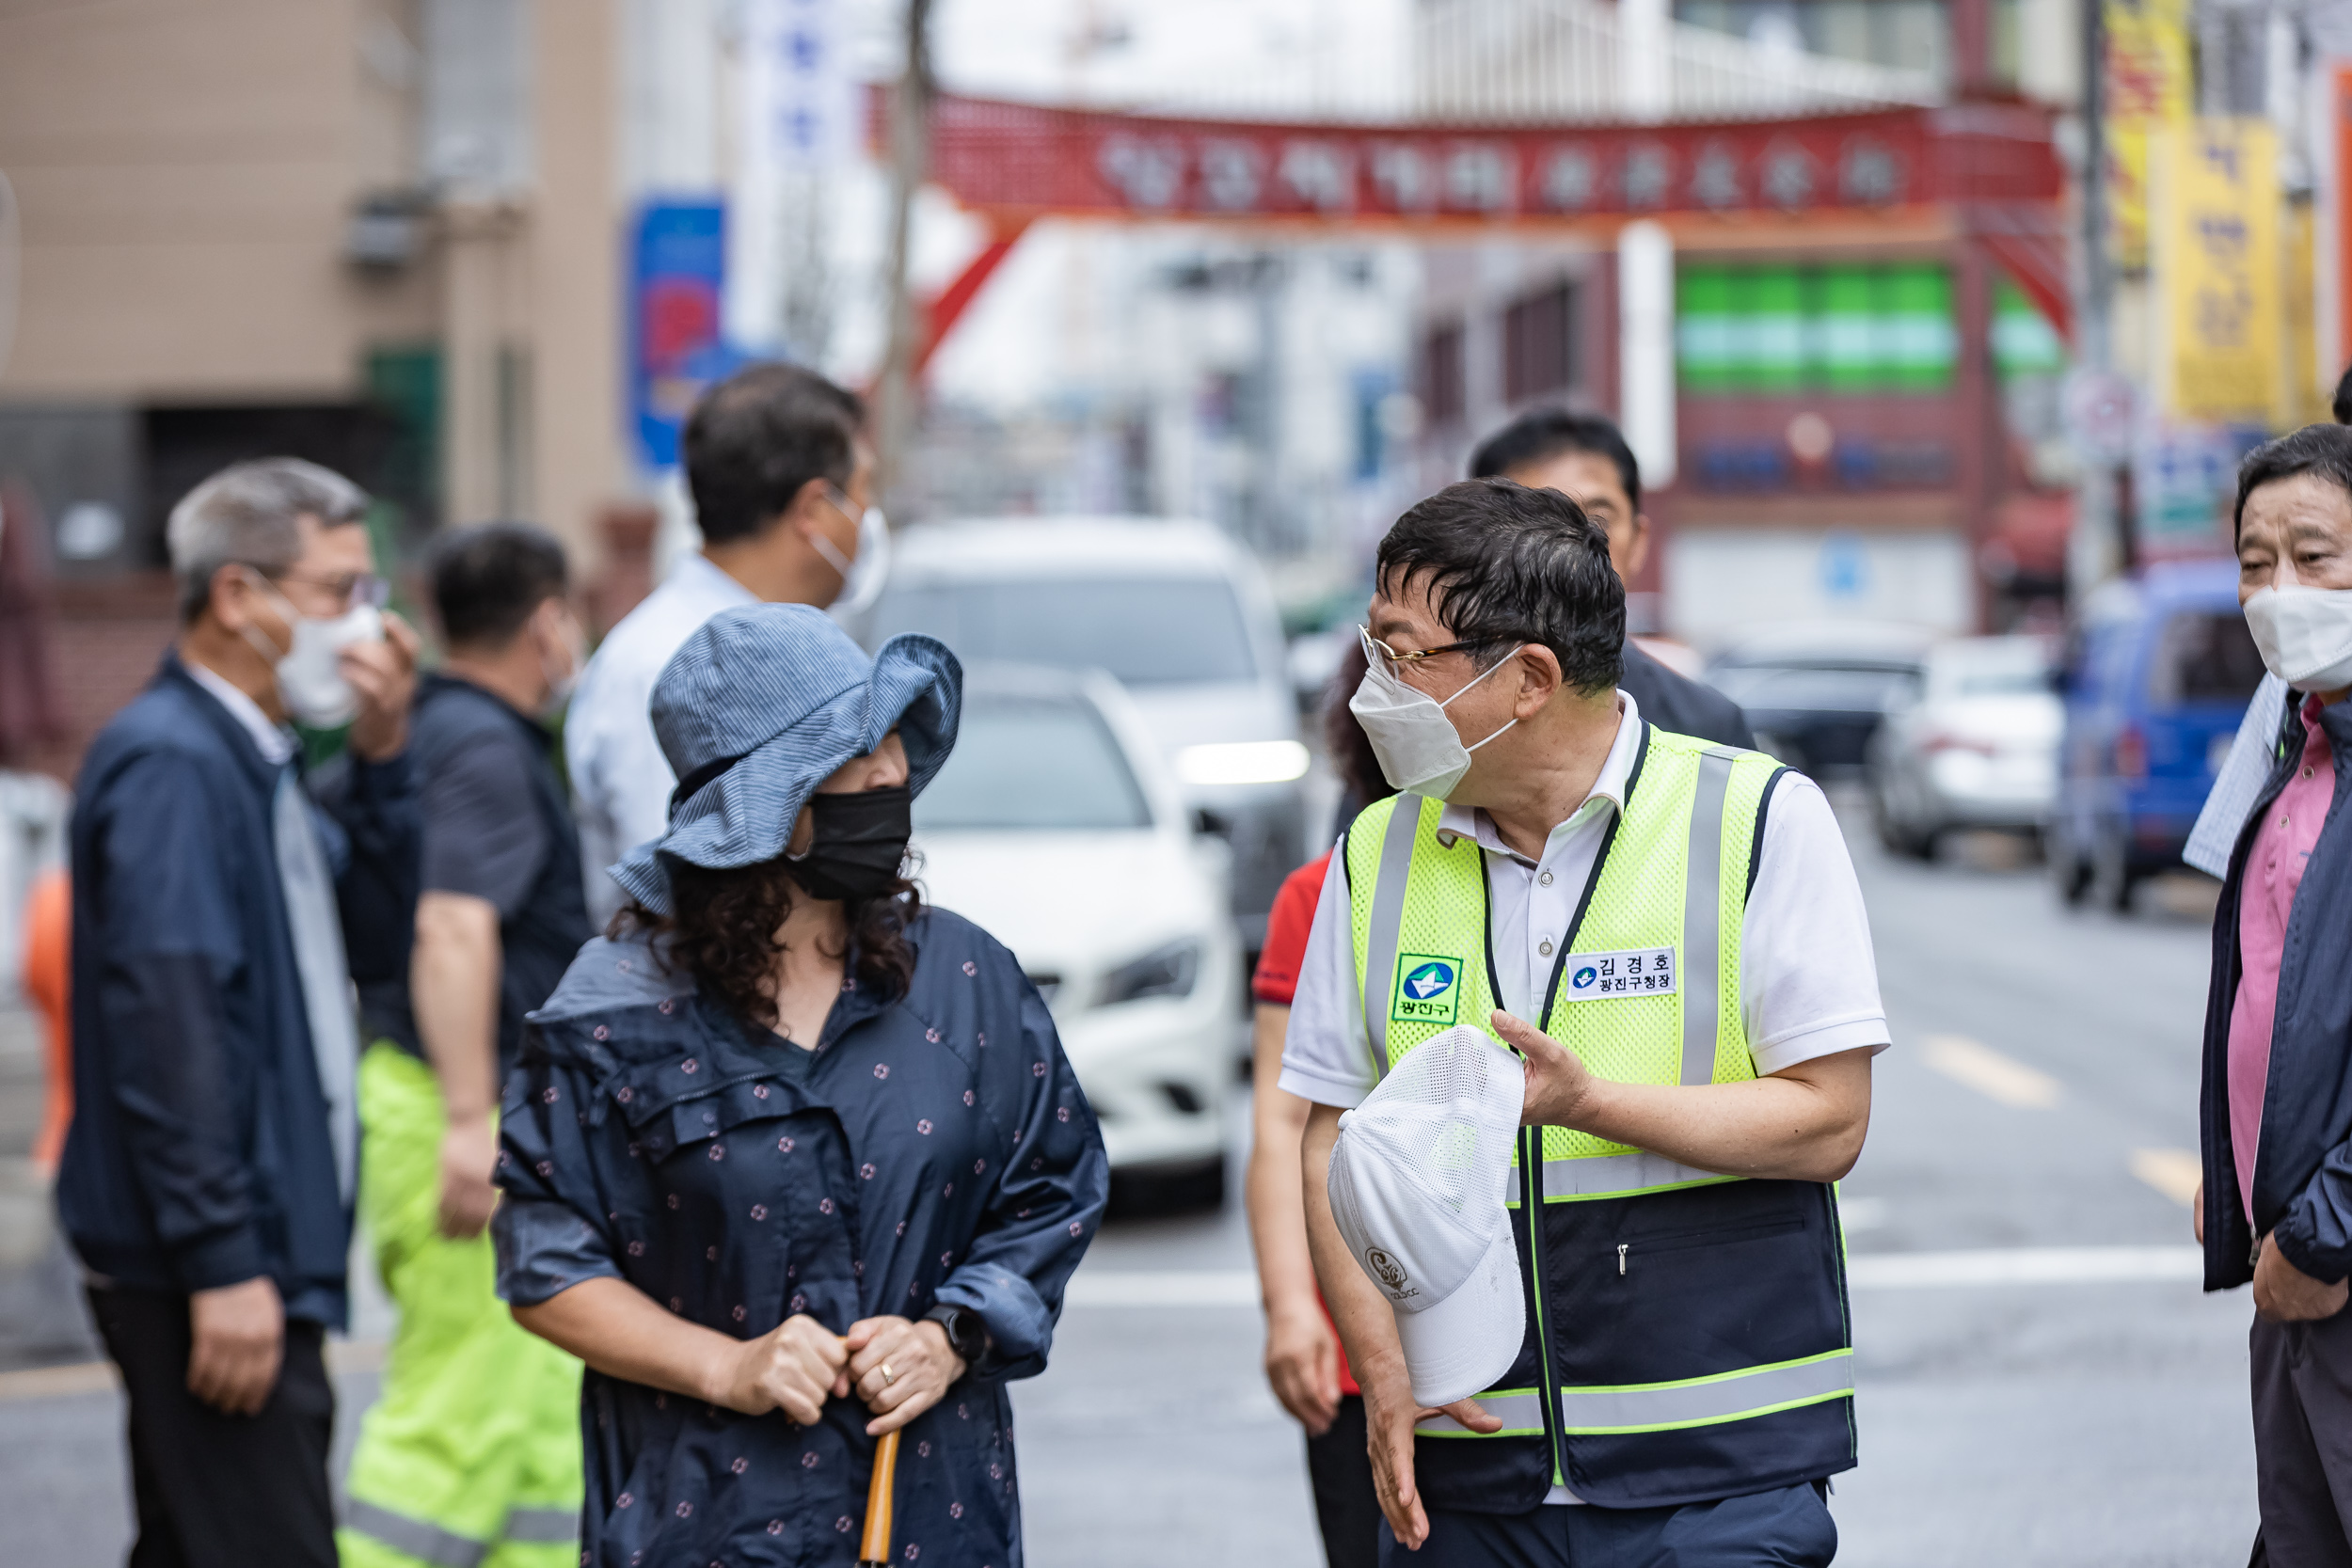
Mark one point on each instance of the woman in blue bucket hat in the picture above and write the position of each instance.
(791, 1160)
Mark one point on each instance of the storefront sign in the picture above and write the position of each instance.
(2147, 84)
(678, 271)
(2184, 477)
(2217, 256)
(1030, 158)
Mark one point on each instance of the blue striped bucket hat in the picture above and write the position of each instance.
(758, 707)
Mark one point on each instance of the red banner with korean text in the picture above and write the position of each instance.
(1030, 158)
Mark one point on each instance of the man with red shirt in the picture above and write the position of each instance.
(1304, 1362)
(2277, 1109)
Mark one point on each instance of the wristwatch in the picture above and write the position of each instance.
(966, 1334)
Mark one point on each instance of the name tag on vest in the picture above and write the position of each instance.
(1630, 972)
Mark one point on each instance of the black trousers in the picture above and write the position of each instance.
(1786, 1529)
(1347, 1510)
(217, 1490)
(2303, 1441)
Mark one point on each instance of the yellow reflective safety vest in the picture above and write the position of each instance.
(1687, 1334)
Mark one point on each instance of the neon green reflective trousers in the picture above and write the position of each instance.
(471, 1457)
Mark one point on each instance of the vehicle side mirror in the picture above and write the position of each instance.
(1208, 822)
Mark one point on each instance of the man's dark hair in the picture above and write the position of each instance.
(1541, 435)
(756, 437)
(2344, 397)
(1506, 566)
(2324, 449)
(488, 580)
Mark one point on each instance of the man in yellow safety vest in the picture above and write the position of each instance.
(1670, 932)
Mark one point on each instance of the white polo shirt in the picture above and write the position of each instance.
(1808, 983)
(621, 781)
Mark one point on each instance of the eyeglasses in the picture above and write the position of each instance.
(1394, 657)
(350, 589)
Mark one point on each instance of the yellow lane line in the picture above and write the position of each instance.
(343, 1356)
(2173, 1172)
(1989, 1073)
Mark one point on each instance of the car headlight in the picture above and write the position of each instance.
(1242, 762)
(1169, 971)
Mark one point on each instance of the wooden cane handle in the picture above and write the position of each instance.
(873, 1545)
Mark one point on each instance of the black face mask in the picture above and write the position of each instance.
(860, 841)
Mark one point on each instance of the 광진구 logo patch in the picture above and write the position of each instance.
(1427, 990)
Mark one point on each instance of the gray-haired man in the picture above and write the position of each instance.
(207, 1179)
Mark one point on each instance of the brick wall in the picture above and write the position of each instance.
(108, 636)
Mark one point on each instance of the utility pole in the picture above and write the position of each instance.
(910, 150)
(2100, 547)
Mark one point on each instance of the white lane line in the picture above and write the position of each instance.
(1884, 1271)
(1989, 1073)
(1862, 1214)
(2056, 1265)
(1164, 1288)
(2173, 1172)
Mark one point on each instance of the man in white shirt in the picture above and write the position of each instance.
(782, 481)
(1696, 1083)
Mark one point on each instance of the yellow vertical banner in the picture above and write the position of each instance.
(2216, 223)
(2147, 83)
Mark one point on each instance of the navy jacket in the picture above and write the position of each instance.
(200, 1153)
(935, 1147)
(2303, 1162)
(1673, 700)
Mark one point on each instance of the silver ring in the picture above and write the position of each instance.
(889, 1377)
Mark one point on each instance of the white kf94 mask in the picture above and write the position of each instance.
(2304, 634)
(1420, 751)
(310, 673)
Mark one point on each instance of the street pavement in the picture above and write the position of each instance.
(2042, 1382)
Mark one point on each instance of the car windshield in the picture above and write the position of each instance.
(1994, 669)
(1032, 765)
(1805, 686)
(1156, 631)
(2203, 656)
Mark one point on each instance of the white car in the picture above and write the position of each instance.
(1057, 827)
(1175, 611)
(1976, 748)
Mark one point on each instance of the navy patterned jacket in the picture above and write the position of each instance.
(937, 1148)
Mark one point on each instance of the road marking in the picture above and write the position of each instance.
(1164, 1288)
(1884, 1271)
(2173, 1172)
(98, 1377)
(1992, 1074)
(55, 1383)
(2056, 1265)
(1861, 1213)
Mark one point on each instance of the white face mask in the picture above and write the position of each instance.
(2305, 635)
(310, 674)
(560, 687)
(1420, 751)
(861, 578)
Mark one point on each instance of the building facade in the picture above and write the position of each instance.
(382, 235)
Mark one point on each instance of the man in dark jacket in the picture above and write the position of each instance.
(2276, 1205)
(1584, 457)
(207, 1181)
(475, 1441)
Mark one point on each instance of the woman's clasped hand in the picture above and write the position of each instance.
(898, 1369)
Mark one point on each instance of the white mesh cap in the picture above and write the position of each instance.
(1419, 1178)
